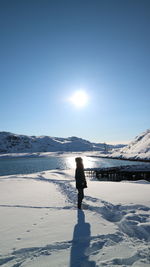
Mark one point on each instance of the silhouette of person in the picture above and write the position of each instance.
(80, 180)
(81, 243)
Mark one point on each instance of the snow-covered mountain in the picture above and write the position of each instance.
(14, 143)
(139, 148)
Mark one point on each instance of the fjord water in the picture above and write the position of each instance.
(25, 165)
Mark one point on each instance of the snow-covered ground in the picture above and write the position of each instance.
(41, 226)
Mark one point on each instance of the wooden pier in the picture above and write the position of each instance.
(131, 173)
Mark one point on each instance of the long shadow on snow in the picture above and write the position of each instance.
(81, 243)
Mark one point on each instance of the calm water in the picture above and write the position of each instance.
(37, 164)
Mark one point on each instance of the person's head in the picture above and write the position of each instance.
(79, 162)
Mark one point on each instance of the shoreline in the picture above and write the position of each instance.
(128, 159)
(65, 153)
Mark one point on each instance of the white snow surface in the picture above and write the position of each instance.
(139, 148)
(15, 143)
(41, 226)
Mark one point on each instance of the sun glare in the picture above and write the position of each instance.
(79, 99)
(88, 162)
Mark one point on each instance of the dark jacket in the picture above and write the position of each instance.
(80, 178)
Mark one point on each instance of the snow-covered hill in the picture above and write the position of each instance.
(14, 143)
(139, 148)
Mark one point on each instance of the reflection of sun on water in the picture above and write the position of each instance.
(87, 161)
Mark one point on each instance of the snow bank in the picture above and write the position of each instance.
(41, 226)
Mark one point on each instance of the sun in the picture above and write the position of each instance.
(79, 98)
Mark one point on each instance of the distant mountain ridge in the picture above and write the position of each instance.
(139, 148)
(14, 143)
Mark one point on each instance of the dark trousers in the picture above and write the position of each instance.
(80, 197)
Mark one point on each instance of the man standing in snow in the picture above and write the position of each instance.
(80, 180)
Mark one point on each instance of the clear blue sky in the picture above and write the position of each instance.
(51, 48)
